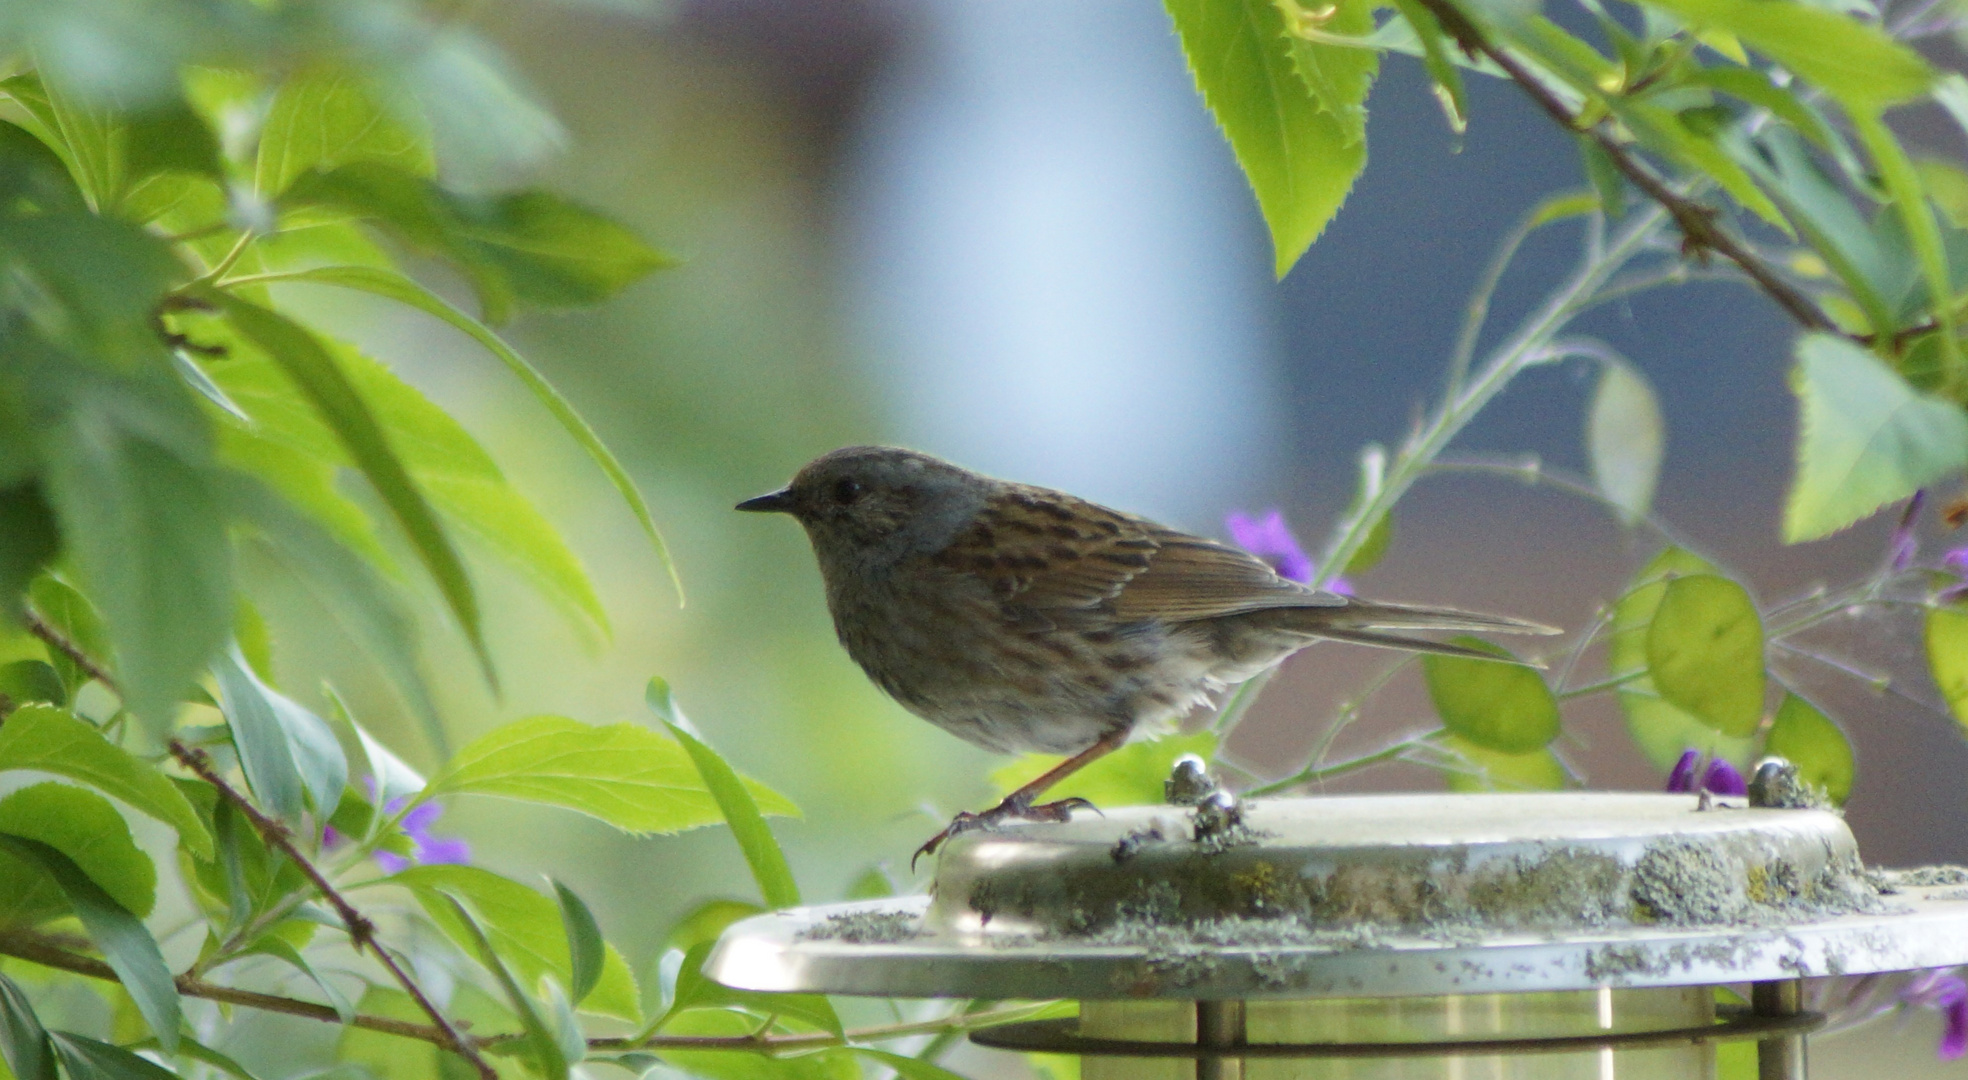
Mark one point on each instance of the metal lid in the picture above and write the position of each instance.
(1385, 895)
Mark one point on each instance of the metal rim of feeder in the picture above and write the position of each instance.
(1301, 929)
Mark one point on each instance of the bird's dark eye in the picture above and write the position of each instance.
(847, 489)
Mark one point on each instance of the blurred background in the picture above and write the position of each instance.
(1008, 233)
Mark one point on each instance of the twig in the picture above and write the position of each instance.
(361, 932)
(57, 640)
(48, 951)
(1697, 222)
(1311, 775)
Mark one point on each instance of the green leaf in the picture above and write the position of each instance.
(144, 529)
(1501, 707)
(1910, 200)
(1299, 154)
(544, 1047)
(85, 828)
(1130, 776)
(1810, 740)
(1661, 730)
(1338, 76)
(706, 921)
(392, 776)
(28, 541)
(1489, 770)
(735, 802)
(198, 1051)
(322, 119)
(1826, 217)
(524, 927)
(1866, 438)
(1625, 440)
(585, 946)
(290, 756)
(1705, 652)
(54, 740)
(335, 397)
(1947, 185)
(22, 1039)
(28, 682)
(275, 946)
(359, 599)
(1855, 62)
(84, 1058)
(1947, 657)
(695, 990)
(530, 247)
(625, 775)
(449, 467)
(129, 949)
(395, 286)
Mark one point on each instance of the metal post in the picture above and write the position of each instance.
(1781, 1058)
(1220, 1025)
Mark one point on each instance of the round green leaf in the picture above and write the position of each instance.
(1497, 706)
(1947, 656)
(1488, 770)
(1662, 731)
(1705, 652)
(1810, 740)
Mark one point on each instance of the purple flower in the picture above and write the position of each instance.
(1718, 778)
(425, 848)
(1946, 993)
(1270, 539)
(1723, 779)
(1956, 562)
(1682, 779)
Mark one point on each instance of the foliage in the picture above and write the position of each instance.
(174, 179)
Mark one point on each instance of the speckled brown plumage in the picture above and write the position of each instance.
(1025, 619)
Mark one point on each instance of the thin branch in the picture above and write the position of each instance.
(1697, 222)
(58, 641)
(361, 932)
(48, 951)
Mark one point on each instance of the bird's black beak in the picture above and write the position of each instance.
(778, 502)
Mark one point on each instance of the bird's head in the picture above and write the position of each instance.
(878, 503)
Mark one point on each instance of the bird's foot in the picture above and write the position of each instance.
(1013, 808)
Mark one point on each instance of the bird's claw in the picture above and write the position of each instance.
(1012, 809)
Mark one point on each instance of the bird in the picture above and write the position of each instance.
(1023, 619)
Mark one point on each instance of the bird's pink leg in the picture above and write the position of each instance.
(1018, 805)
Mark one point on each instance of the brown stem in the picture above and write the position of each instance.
(1697, 222)
(57, 951)
(42, 629)
(361, 931)
(47, 951)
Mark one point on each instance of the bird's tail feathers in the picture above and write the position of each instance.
(1420, 644)
(1371, 616)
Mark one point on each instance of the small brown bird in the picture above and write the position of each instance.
(1024, 619)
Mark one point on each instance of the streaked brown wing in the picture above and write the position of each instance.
(1047, 550)
(1193, 578)
(1052, 553)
